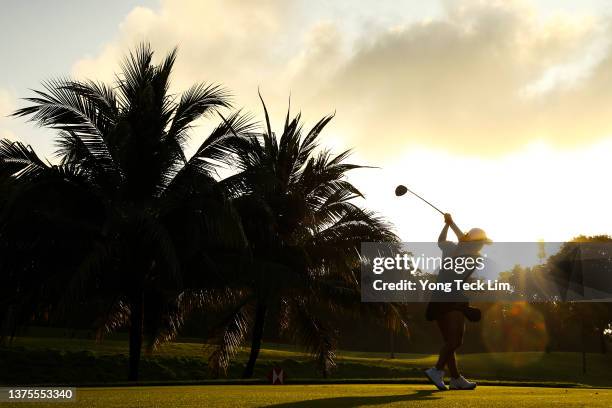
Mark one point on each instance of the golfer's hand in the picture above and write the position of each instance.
(448, 219)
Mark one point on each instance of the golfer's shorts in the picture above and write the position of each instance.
(435, 310)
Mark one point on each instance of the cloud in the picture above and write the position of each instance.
(320, 57)
(466, 95)
(232, 42)
(457, 83)
(481, 78)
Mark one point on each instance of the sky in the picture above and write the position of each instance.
(499, 112)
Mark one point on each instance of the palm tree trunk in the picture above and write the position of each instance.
(258, 329)
(136, 323)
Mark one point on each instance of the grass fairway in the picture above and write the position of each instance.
(337, 396)
(48, 360)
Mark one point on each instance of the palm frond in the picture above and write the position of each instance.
(197, 101)
(16, 158)
(161, 85)
(136, 72)
(310, 142)
(224, 141)
(219, 148)
(315, 336)
(100, 95)
(83, 110)
(22, 163)
(230, 338)
(270, 141)
(115, 317)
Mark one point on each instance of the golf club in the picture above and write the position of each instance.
(401, 190)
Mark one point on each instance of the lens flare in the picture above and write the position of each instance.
(515, 327)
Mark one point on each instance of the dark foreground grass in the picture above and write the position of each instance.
(84, 362)
(337, 396)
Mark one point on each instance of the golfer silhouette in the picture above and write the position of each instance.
(450, 312)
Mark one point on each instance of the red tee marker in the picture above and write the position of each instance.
(276, 376)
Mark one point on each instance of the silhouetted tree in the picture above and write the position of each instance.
(304, 231)
(153, 218)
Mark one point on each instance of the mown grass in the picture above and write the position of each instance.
(32, 360)
(337, 396)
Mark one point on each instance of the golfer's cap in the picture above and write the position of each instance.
(477, 234)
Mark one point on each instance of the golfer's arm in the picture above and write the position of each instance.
(457, 231)
(443, 234)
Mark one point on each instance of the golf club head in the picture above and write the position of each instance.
(400, 190)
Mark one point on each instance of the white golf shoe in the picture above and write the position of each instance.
(436, 377)
(460, 383)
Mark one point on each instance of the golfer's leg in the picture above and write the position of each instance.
(456, 328)
(445, 353)
(451, 363)
(444, 324)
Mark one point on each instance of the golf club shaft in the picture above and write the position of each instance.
(432, 206)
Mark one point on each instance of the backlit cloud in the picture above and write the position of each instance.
(465, 95)
(480, 78)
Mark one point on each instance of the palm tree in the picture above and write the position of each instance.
(304, 231)
(38, 227)
(153, 220)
